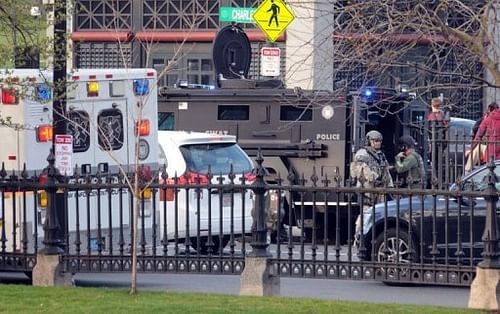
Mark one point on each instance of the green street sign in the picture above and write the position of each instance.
(238, 15)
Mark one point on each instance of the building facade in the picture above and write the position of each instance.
(175, 37)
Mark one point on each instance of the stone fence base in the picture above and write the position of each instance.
(48, 273)
(484, 293)
(259, 278)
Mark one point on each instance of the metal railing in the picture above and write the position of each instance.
(203, 225)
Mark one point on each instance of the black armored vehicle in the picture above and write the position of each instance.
(300, 133)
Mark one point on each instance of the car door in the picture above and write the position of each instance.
(475, 213)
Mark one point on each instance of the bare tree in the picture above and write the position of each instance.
(449, 46)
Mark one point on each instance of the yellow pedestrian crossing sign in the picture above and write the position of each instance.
(273, 17)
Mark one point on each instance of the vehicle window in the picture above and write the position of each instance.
(219, 156)
(162, 158)
(110, 129)
(233, 112)
(461, 128)
(166, 121)
(295, 113)
(480, 180)
(79, 126)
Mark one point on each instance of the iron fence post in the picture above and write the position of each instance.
(259, 230)
(51, 225)
(490, 236)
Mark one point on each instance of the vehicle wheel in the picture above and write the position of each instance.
(395, 250)
(203, 249)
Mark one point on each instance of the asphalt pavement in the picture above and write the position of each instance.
(347, 290)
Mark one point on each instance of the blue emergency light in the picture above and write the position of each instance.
(368, 92)
(141, 87)
(43, 92)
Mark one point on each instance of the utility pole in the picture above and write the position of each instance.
(55, 232)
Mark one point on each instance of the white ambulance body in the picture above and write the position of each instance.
(103, 118)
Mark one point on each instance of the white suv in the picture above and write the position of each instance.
(187, 156)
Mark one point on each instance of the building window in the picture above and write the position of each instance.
(103, 55)
(200, 71)
(233, 112)
(167, 71)
(295, 113)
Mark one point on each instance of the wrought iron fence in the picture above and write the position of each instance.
(202, 225)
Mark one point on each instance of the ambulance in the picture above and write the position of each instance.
(107, 111)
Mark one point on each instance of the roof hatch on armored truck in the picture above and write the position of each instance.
(232, 53)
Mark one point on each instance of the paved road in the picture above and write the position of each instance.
(361, 291)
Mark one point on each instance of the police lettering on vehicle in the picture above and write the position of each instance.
(328, 136)
(220, 132)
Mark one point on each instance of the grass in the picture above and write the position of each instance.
(29, 299)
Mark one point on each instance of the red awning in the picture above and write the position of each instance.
(101, 36)
(166, 36)
(195, 36)
(396, 38)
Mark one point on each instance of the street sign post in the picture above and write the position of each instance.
(238, 15)
(64, 153)
(273, 17)
(270, 61)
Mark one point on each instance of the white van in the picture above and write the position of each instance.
(220, 213)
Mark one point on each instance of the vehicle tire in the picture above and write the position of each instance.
(203, 249)
(398, 252)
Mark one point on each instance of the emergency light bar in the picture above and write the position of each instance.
(44, 133)
(93, 89)
(142, 128)
(43, 92)
(9, 96)
(141, 87)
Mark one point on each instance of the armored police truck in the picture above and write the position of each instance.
(301, 134)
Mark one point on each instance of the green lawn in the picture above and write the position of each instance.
(29, 299)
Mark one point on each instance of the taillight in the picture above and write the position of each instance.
(142, 127)
(249, 177)
(191, 177)
(9, 96)
(167, 194)
(43, 200)
(44, 133)
(147, 194)
(43, 178)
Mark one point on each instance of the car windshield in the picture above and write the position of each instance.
(479, 180)
(219, 156)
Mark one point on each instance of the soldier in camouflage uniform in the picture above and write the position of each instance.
(370, 167)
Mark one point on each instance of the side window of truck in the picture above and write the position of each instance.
(79, 127)
(166, 121)
(295, 113)
(110, 129)
(233, 112)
